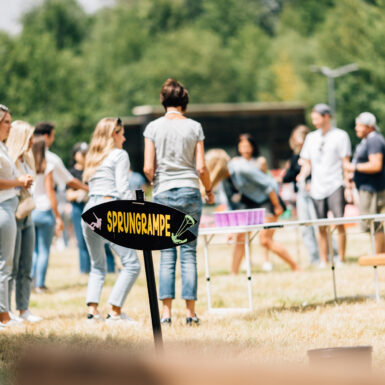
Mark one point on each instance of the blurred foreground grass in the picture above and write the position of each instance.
(293, 312)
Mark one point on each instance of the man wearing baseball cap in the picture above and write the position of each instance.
(324, 153)
(368, 168)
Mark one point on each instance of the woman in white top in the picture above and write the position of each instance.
(46, 214)
(19, 145)
(9, 182)
(106, 171)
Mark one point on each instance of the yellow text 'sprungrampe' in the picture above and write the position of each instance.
(138, 223)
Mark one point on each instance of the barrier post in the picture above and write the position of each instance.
(331, 254)
(151, 288)
(373, 244)
(207, 268)
(248, 270)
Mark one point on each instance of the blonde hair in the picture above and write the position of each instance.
(102, 143)
(216, 163)
(18, 142)
(300, 132)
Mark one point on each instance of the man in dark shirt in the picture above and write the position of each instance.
(368, 166)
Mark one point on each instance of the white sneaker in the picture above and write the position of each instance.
(94, 318)
(12, 323)
(120, 319)
(15, 317)
(29, 317)
(322, 265)
(267, 266)
(338, 263)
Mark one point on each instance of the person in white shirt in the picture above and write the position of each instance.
(19, 145)
(324, 153)
(10, 181)
(60, 174)
(46, 216)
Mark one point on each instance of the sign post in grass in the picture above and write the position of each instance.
(145, 226)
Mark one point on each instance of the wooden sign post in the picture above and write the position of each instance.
(145, 226)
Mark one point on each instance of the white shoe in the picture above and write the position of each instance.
(29, 317)
(244, 265)
(12, 323)
(338, 263)
(94, 318)
(120, 319)
(15, 318)
(322, 265)
(267, 266)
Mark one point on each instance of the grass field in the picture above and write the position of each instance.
(293, 312)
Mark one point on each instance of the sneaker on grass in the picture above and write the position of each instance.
(29, 317)
(122, 319)
(15, 317)
(94, 318)
(267, 266)
(11, 323)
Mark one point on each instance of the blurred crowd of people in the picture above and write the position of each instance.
(35, 186)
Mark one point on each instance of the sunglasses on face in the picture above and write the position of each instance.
(4, 108)
(321, 147)
(119, 124)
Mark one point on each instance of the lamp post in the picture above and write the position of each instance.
(331, 74)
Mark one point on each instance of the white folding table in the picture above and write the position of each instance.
(208, 233)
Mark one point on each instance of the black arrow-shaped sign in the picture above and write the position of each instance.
(140, 225)
(146, 226)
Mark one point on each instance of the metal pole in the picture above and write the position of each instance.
(331, 74)
(332, 99)
(248, 270)
(151, 288)
(207, 268)
(373, 243)
(331, 254)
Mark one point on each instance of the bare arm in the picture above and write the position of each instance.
(24, 181)
(305, 169)
(149, 159)
(373, 166)
(77, 185)
(278, 210)
(203, 173)
(50, 190)
(9, 183)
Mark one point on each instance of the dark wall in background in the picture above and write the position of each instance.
(270, 127)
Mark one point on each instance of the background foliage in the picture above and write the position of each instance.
(73, 68)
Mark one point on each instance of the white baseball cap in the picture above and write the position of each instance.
(367, 119)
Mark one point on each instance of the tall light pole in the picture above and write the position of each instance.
(331, 74)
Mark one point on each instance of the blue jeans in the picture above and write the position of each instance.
(44, 231)
(84, 257)
(187, 200)
(22, 263)
(110, 259)
(7, 247)
(129, 258)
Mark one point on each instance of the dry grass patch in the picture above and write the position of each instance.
(293, 312)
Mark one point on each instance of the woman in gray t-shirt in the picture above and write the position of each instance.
(174, 162)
